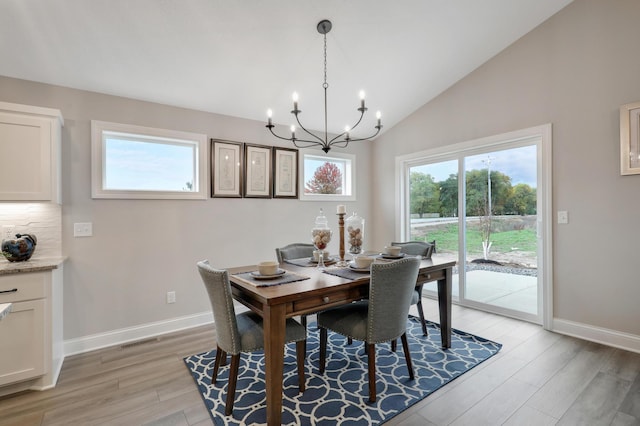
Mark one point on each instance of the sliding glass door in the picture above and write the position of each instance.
(488, 222)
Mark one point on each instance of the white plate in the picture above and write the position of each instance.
(258, 276)
(353, 267)
(390, 256)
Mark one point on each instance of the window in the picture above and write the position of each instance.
(487, 204)
(328, 177)
(146, 163)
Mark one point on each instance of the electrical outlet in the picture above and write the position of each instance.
(171, 297)
(8, 231)
(83, 229)
(563, 217)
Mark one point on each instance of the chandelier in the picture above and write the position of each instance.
(323, 141)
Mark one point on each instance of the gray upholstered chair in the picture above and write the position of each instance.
(243, 332)
(381, 318)
(417, 248)
(294, 251)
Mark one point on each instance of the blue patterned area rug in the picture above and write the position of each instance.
(340, 396)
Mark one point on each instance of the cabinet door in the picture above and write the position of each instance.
(22, 335)
(25, 158)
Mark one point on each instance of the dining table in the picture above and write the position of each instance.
(304, 289)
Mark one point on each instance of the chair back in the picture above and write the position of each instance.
(417, 248)
(216, 281)
(392, 286)
(294, 251)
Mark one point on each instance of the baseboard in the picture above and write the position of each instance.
(617, 339)
(130, 334)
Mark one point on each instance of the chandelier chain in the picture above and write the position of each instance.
(325, 85)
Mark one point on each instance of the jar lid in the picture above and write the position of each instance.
(321, 220)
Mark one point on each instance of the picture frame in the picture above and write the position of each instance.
(285, 173)
(257, 171)
(227, 164)
(630, 139)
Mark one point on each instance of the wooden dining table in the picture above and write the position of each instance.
(320, 291)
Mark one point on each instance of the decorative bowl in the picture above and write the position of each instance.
(19, 249)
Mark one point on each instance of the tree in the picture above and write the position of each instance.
(424, 194)
(327, 179)
(449, 196)
(523, 200)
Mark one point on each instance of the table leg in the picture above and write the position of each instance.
(444, 305)
(274, 333)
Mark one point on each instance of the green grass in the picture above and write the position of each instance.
(503, 242)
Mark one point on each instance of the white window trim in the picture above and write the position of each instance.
(97, 162)
(350, 178)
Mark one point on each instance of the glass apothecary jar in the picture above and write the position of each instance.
(321, 236)
(355, 233)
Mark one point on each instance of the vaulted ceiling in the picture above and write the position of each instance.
(241, 57)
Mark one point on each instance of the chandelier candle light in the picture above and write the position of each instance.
(342, 139)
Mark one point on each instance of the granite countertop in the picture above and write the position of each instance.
(5, 308)
(31, 265)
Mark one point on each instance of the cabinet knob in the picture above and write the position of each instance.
(325, 299)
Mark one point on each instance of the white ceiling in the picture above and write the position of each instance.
(240, 57)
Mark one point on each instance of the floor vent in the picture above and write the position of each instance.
(138, 343)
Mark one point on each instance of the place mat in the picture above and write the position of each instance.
(306, 261)
(346, 273)
(289, 277)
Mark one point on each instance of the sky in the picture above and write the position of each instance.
(517, 163)
(148, 166)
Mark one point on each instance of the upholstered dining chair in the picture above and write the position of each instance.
(381, 318)
(423, 249)
(243, 332)
(295, 251)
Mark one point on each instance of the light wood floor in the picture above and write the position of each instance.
(538, 378)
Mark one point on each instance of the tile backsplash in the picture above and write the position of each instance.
(44, 220)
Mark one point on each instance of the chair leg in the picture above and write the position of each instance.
(394, 345)
(223, 360)
(323, 349)
(301, 348)
(216, 364)
(421, 315)
(303, 320)
(233, 379)
(407, 354)
(349, 340)
(371, 362)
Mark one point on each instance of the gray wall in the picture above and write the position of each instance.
(574, 71)
(143, 248)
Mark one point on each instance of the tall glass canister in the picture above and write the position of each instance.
(320, 236)
(355, 233)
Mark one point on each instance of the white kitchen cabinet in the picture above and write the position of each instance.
(31, 334)
(30, 143)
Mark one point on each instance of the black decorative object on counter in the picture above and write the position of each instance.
(20, 249)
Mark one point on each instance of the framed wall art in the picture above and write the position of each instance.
(285, 173)
(630, 139)
(226, 168)
(257, 171)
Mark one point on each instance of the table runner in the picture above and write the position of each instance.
(289, 277)
(306, 261)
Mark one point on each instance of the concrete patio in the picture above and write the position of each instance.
(508, 290)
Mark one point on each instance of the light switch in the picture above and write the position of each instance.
(563, 217)
(83, 229)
